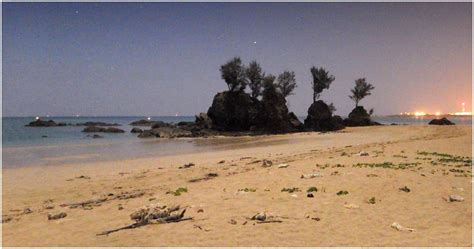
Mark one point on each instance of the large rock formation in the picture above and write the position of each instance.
(41, 123)
(440, 121)
(320, 118)
(359, 117)
(233, 111)
(273, 115)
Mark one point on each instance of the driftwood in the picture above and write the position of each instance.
(147, 216)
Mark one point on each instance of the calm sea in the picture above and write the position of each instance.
(59, 145)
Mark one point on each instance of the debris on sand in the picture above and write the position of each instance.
(56, 216)
(87, 203)
(6, 219)
(351, 206)
(399, 227)
(267, 163)
(283, 165)
(309, 176)
(205, 178)
(342, 192)
(188, 165)
(153, 214)
(264, 218)
(405, 189)
(27, 211)
(371, 200)
(178, 191)
(454, 198)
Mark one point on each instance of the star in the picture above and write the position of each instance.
(254, 42)
(77, 11)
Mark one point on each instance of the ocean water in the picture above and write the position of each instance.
(27, 146)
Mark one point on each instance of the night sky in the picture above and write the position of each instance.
(164, 58)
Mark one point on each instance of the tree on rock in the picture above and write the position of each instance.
(233, 73)
(286, 83)
(254, 76)
(361, 90)
(321, 80)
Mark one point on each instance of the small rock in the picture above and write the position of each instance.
(233, 222)
(260, 217)
(310, 195)
(221, 162)
(27, 211)
(56, 216)
(363, 153)
(294, 195)
(343, 154)
(200, 210)
(453, 198)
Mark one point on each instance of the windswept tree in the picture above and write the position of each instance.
(286, 83)
(233, 73)
(360, 90)
(254, 76)
(321, 80)
(268, 82)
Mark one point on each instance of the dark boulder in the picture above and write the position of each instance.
(440, 121)
(359, 117)
(136, 130)
(102, 129)
(160, 124)
(320, 118)
(97, 124)
(41, 123)
(232, 111)
(273, 113)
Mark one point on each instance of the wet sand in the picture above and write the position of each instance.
(398, 156)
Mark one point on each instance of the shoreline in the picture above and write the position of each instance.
(222, 202)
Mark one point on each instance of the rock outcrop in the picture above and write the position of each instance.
(41, 123)
(102, 129)
(440, 121)
(142, 122)
(232, 111)
(320, 118)
(165, 132)
(97, 124)
(359, 117)
(136, 130)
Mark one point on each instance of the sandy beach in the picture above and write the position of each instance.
(372, 164)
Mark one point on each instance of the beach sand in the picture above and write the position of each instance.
(324, 220)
